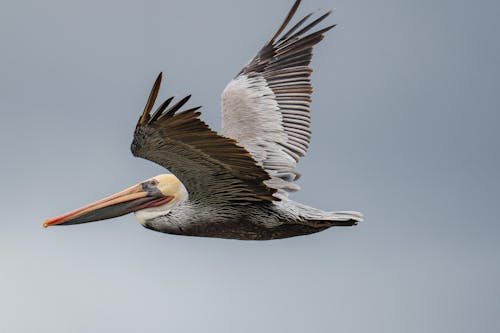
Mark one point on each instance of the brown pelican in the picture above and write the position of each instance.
(233, 185)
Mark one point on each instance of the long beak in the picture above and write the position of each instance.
(130, 200)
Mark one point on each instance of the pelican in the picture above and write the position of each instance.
(234, 185)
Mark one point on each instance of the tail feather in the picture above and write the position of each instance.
(336, 219)
(320, 219)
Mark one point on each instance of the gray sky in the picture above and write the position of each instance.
(405, 119)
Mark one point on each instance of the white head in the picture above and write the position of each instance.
(169, 186)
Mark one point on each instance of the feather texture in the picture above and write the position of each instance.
(266, 108)
(213, 168)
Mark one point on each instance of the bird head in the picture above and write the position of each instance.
(149, 199)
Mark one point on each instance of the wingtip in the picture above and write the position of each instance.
(330, 27)
(151, 100)
(159, 78)
(289, 16)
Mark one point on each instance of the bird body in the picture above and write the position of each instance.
(255, 221)
(235, 185)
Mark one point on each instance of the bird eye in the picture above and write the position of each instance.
(149, 185)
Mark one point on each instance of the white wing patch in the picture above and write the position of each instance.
(266, 108)
(258, 113)
(251, 115)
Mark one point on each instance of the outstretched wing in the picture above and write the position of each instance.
(212, 167)
(266, 108)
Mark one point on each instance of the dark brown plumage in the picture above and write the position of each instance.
(167, 134)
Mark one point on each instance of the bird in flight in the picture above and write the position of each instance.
(233, 185)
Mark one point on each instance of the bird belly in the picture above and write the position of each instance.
(246, 230)
(244, 223)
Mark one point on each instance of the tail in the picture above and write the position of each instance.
(334, 219)
(317, 218)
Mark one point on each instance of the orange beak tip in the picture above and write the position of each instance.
(45, 224)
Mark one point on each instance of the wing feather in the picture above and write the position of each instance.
(212, 167)
(266, 108)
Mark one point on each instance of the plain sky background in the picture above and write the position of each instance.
(405, 123)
